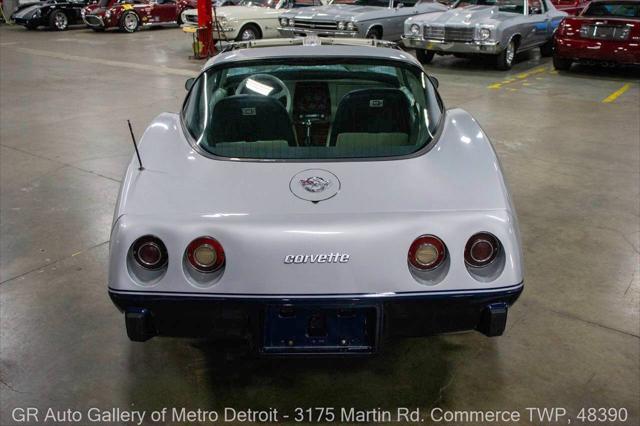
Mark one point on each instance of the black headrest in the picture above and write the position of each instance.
(250, 118)
(383, 110)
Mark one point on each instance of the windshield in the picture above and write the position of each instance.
(514, 6)
(312, 109)
(104, 3)
(260, 3)
(613, 9)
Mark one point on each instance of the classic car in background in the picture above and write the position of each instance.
(379, 19)
(571, 7)
(500, 28)
(54, 14)
(130, 15)
(250, 20)
(325, 255)
(607, 32)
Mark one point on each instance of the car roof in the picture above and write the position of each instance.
(300, 51)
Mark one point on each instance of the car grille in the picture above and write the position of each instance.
(605, 32)
(93, 20)
(449, 33)
(315, 25)
(192, 19)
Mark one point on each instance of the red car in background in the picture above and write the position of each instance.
(572, 7)
(606, 32)
(130, 15)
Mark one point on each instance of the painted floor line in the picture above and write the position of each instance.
(615, 95)
(120, 64)
(518, 77)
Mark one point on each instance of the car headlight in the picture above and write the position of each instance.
(484, 33)
(340, 25)
(351, 26)
(292, 22)
(107, 14)
(414, 29)
(284, 22)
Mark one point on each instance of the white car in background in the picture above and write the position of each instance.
(249, 20)
(314, 198)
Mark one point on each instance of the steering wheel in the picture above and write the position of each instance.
(281, 91)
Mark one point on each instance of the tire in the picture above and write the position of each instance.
(425, 56)
(561, 64)
(504, 60)
(375, 33)
(58, 21)
(546, 50)
(129, 22)
(248, 32)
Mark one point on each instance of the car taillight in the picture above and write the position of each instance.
(481, 249)
(427, 252)
(150, 252)
(205, 254)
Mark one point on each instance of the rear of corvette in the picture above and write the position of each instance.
(306, 256)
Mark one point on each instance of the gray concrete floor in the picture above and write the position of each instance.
(572, 161)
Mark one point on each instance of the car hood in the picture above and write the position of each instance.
(333, 12)
(466, 16)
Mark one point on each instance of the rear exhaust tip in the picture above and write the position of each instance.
(139, 324)
(494, 319)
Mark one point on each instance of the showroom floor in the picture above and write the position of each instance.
(570, 146)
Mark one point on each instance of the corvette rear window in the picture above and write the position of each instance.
(312, 109)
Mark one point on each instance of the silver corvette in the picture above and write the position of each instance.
(380, 19)
(485, 27)
(314, 196)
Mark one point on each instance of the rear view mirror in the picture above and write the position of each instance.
(434, 81)
(189, 83)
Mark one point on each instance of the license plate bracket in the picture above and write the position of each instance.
(320, 329)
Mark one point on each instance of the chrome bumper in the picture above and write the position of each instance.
(293, 32)
(489, 48)
(93, 21)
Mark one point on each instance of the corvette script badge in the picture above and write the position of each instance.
(314, 185)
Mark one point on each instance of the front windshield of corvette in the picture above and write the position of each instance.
(613, 10)
(312, 109)
(514, 6)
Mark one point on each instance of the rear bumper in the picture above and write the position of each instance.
(424, 314)
(597, 50)
(445, 47)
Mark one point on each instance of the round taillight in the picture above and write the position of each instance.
(427, 252)
(481, 249)
(205, 254)
(149, 252)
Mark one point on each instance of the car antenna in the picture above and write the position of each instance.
(135, 145)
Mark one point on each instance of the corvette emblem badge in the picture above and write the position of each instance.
(314, 185)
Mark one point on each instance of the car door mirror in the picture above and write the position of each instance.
(434, 81)
(189, 83)
(534, 10)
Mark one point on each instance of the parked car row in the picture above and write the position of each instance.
(604, 31)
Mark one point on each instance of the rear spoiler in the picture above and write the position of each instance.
(310, 40)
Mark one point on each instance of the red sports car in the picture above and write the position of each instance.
(130, 15)
(572, 7)
(606, 32)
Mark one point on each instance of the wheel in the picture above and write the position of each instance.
(425, 56)
(504, 60)
(375, 33)
(561, 64)
(546, 50)
(248, 32)
(58, 21)
(129, 22)
(179, 18)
